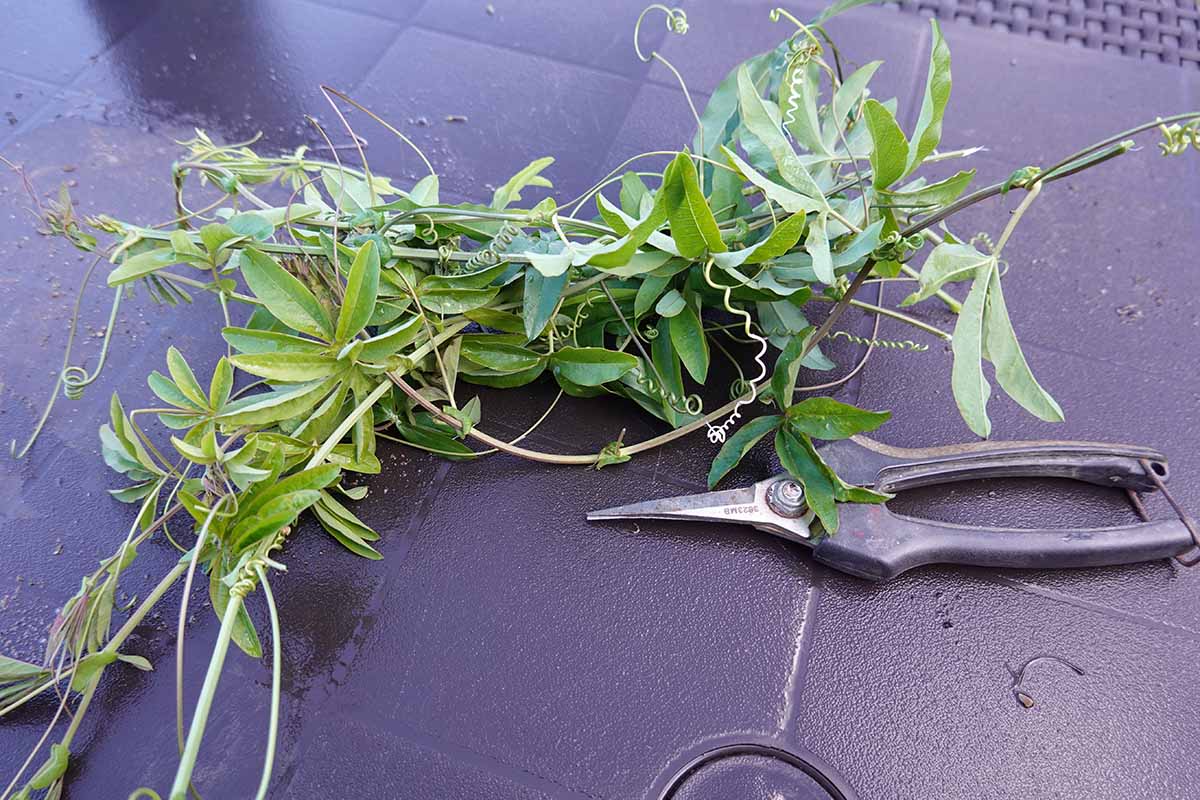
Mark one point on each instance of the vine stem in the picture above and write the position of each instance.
(276, 668)
(191, 749)
(896, 315)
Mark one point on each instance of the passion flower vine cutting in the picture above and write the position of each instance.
(354, 308)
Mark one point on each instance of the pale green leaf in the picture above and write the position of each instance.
(141, 265)
(288, 367)
(510, 192)
(928, 132)
(791, 201)
(1012, 370)
(970, 387)
(948, 263)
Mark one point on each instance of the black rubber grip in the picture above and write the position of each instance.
(875, 544)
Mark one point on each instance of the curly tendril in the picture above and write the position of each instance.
(676, 23)
(489, 256)
(718, 433)
(894, 344)
(1178, 138)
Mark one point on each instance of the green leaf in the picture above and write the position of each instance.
(817, 245)
(948, 263)
(312, 479)
(510, 192)
(244, 635)
(692, 224)
(889, 153)
(551, 265)
(801, 461)
(740, 443)
(362, 288)
(346, 533)
(425, 191)
(500, 356)
(782, 239)
(439, 441)
(141, 265)
(935, 194)
(851, 91)
(137, 662)
(497, 320)
(671, 304)
(759, 121)
(456, 301)
(252, 341)
(184, 247)
(611, 454)
(633, 190)
(618, 253)
(284, 295)
(540, 300)
(221, 384)
(53, 768)
(378, 348)
(1012, 370)
(650, 289)
(826, 418)
(216, 235)
(687, 335)
(787, 368)
(790, 201)
(798, 96)
(89, 667)
(289, 367)
(252, 224)
(928, 132)
(349, 193)
(591, 366)
(970, 387)
(12, 669)
(184, 378)
(270, 518)
(841, 6)
(280, 404)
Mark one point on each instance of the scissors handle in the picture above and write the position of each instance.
(875, 544)
(865, 462)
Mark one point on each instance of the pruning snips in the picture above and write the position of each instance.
(877, 544)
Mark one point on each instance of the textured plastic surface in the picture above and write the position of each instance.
(1166, 31)
(505, 648)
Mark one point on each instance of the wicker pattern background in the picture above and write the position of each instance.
(1167, 31)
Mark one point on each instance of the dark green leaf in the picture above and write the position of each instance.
(362, 288)
(826, 418)
(540, 300)
(799, 458)
(737, 445)
(284, 295)
(687, 334)
(692, 224)
(485, 351)
(591, 366)
(889, 154)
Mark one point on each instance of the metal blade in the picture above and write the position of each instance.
(704, 507)
(746, 506)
